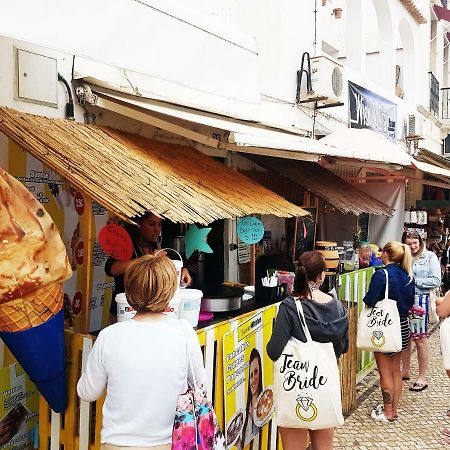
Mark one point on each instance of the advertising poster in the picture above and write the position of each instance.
(18, 409)
(248, 379)
(370, 110)
(68, 208)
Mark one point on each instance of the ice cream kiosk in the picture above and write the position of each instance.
(77, 179)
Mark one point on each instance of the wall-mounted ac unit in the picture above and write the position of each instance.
(415, 127)
(328, 81)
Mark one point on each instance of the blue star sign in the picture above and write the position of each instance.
(195, 239)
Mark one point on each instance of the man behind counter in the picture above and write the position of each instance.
(144, 236)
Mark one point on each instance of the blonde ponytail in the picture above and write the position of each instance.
(406, 264)
(399, 253)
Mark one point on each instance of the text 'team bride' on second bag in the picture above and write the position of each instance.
(379, 326)
(307, 388)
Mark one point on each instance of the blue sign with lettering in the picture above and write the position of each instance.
(250, 230)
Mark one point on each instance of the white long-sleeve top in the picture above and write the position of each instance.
(143, 366)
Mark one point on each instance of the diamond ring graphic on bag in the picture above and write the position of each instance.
(378, 339)
(306, 406)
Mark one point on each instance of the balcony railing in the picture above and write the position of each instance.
(445, 92)
(434, 94)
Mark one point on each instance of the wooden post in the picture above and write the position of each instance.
(252, 264)
(89, 239)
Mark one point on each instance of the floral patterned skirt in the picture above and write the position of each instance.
(418, 316)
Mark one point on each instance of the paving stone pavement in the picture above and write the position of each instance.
(421, 414)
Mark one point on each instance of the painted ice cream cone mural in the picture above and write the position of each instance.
(33, 264)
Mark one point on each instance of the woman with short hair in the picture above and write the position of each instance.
(143, 362)
(397, 260)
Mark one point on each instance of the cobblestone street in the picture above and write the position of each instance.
(422, 414)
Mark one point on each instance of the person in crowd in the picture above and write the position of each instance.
(255, 387)
(443, 311)
(327, 321)
(426, 270)
(143, 362)
(145, 237)
(397, 260)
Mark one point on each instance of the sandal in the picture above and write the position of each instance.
(446, 441)
(418, 387)
(445, 432)
(406, 378)
(380, 408)
(379, 416)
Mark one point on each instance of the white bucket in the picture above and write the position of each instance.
(124, 310)
(175, 304)
(178, 267)
(190, 305)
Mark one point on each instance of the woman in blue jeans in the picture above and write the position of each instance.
(397, 260)
(427, 277)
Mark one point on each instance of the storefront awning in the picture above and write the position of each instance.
(326, 185)
(130, 174)
(256, 138)
(442, 13)
(364, 144)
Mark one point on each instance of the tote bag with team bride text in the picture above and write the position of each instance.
(445, 342)
(307, 389)
(379, 327)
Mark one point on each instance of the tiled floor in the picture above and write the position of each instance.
(422, 414)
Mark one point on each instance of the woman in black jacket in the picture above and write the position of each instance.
(327, 321)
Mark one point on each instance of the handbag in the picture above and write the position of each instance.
(307, 389)
(444, 335)
(432, 315)
(195, 426)
(379, 327)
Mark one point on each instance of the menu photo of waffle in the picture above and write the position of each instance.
(11, 423)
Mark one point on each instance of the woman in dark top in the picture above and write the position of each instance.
(398, 264)
(144, 236)
(327, 321)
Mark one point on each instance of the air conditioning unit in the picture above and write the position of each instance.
(327, 79)
(414, 130)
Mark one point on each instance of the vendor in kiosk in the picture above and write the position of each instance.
(145, 236)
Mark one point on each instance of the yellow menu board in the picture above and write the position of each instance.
(18, 409)
(248, 379)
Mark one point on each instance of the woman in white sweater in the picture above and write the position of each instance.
(142, 362)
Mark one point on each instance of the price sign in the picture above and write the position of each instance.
(77, 303)
(250, 230)
(79, 203)
(116, 242)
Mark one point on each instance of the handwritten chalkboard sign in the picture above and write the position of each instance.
(301, 232)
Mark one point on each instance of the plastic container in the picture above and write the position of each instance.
(191, 300)
(288, 278)
(175, 303)
(124, 310)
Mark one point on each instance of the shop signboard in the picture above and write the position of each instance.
(248, 378)
(18, 409)
(370, 110)
(68, 208)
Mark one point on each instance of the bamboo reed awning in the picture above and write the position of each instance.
(326, 185)
(129, 174)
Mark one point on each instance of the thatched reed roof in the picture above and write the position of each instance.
(314, 178)
(129, 174)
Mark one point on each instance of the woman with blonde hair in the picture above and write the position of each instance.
(143, 362)
(397, 260)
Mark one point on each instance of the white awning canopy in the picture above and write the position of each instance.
(366, 145)
(254, 137)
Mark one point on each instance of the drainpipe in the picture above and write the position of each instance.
(69, 104)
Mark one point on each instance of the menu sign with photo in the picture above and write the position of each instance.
(248, 379)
